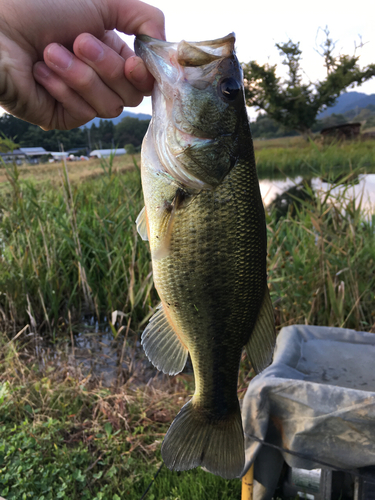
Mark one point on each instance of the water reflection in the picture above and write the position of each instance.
(95, 353)
(365, 188)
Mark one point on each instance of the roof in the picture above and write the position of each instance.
(106, 152)
(341, 127)
(33, 151)
(15, 152)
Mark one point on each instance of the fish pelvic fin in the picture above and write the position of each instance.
(195, 440)
(162, 345)
(262, 340)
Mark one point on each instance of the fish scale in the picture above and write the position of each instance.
(206, 228)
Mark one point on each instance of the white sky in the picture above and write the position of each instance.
(260, 24)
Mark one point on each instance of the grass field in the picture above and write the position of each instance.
(69, 250)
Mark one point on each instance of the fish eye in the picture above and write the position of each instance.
(229, 88)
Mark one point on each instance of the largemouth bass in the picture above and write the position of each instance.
(205, 222)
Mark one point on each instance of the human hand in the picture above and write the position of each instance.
(87, 71)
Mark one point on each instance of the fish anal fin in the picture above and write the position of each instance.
(142, 224)
(194, 440)
(162, 345)
(262, 340)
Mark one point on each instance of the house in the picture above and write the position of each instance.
(33, 155)
(13, 156)
(344, 131)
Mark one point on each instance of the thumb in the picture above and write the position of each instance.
(134, 17)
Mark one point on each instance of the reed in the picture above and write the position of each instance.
(322, 260)
(72, 248)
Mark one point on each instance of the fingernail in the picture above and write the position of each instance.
(92, 49)
(60, 56)
(42, 70)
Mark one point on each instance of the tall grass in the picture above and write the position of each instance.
(322, 261)
(72, 249)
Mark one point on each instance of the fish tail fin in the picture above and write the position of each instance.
(194, 440)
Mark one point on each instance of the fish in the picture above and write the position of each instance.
(205, 224)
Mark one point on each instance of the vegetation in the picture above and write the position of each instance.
(76, 249)
(62, 437)
(293, 103)
(69, 247)
(294, 156)
(266, 128)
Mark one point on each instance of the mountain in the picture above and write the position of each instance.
(348, 101)
(96, 121)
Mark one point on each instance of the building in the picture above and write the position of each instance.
(105, 153)
(344, 131)
(31, 155)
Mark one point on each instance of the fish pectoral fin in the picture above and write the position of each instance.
(162, 345)
(261, 344)
(164, 247)
(169, 216)
(141, 223)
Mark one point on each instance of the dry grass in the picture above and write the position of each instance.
(79, 171)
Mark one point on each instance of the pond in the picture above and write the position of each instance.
(363, 189)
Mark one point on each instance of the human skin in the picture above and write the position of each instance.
(61, 63)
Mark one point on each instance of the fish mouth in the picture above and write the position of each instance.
(166, 60)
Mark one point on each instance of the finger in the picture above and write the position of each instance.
(115, 42)
(138, 75)
(134, 18)
(64, 109)
(109, 63)
(80, 77)
(135, 69)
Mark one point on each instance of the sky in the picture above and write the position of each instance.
(259, 25)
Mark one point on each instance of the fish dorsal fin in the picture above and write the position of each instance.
(141, 223)
(162, 345)
(261, 344)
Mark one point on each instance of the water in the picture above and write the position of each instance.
(96, 354)
(365, 188)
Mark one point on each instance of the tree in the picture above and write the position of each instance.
(291, 102)
(130, 149)
(12, 127)
(131, 131)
